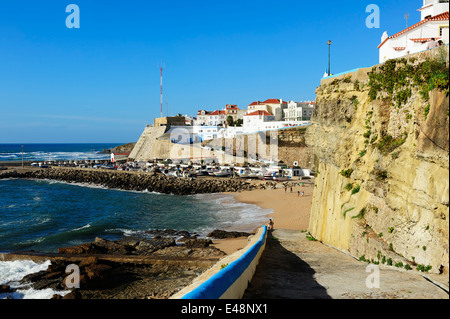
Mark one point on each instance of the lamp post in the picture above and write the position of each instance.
(329, 54)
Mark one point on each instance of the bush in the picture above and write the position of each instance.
(360, 214)
(356, 189)
(387, 144)
(427, 110)
(347, 172)
(381, 175)
(396, 78)
(423, 268)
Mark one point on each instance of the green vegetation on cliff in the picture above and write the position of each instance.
(395, 79)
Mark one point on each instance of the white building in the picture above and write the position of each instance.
(273, 106)
(298, 111)
(258, 121)
(434, 23)
(235, 112)
(216, 118)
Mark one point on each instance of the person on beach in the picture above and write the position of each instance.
(270, 224)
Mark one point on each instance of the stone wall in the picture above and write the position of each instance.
(144, 148)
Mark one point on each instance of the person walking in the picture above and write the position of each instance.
(270, 224)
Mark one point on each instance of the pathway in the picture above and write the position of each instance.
(292, 267)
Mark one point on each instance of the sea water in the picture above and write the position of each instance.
(43, 215)
(55, 152)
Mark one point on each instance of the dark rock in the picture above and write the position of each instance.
(133, 181)
(5, 289)
(73, 295)
(197, 243)
(148, 246)
(222, 234)
(89, 248)
(111, 247)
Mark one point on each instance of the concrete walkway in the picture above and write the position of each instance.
(293, 267)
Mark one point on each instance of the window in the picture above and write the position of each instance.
(441, 30)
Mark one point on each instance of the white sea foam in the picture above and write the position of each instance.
(11, 272)
(31, 293)
(234, 215)
(82, 227)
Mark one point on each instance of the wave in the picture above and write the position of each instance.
(11, 272)
(82, 227)
(54, 156)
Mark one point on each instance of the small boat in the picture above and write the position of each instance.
(280, 178)
(244, 173)
(266, 176)
(169, 172)
(222, 173)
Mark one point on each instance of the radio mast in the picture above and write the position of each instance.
(161, 69)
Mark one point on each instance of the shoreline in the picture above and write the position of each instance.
(291, 210)
(287, 213)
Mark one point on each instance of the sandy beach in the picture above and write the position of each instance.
(291, 210)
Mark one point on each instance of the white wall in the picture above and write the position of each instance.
(427, 30)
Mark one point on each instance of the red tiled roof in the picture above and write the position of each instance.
(218, 113)
(440, 17)
(231, 107)
(259, 112)
(256, 103)
(423, 40)
(273, 101)
(399, 48)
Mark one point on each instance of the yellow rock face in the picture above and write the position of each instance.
(401, 210)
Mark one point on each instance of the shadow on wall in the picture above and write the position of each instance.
(281, 274)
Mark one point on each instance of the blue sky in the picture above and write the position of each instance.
(100, 83)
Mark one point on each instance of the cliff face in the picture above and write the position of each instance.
(381, 152)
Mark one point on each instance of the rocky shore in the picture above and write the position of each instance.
(155, 267)
(137, 181)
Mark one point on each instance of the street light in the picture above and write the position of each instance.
(329, 53)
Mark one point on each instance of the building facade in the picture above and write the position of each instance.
(434, 23)
(298, 111)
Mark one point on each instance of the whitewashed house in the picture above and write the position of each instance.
(434, 23)
(273, 106)
(298, 111)
(216, 118)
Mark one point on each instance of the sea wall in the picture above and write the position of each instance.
(381, 151)
(144, 150)
(137, 181)
(286, 145)
(229, 277)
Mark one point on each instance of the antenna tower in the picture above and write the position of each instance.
(161, 69)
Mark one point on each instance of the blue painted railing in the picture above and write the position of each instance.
(220, 282)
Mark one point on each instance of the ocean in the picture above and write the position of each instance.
(54, 152)
(43, 215)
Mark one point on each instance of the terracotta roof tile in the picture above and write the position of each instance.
(440, 17)
(259, 112)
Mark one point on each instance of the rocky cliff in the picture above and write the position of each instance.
(381, 151)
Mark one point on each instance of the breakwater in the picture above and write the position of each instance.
(136, 181)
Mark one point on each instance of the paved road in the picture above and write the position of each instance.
(292, 267)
